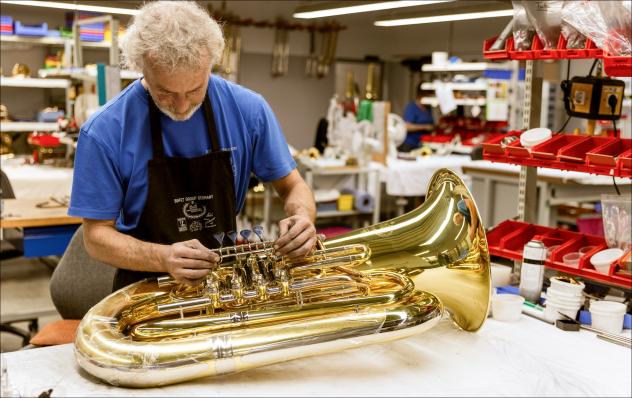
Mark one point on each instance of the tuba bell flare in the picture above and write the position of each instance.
(376, 284)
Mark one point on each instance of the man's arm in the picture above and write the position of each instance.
(188, 262)
(419, 127)
(297, 234)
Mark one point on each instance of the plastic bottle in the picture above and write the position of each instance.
(532, 270)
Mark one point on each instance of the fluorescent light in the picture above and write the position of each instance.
(383, 5)
(444, 18)
(72, 6)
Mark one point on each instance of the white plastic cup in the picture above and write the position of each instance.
(553, 309)
(563, 300)
(507, 307)
(607, 316)
(566, 287)
(439, 58)
(501, 275)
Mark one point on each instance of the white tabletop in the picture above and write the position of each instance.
(411, 177)
(37, 181)
(523, 358)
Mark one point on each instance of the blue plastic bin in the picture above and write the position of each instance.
(7, 25)
(31, 30)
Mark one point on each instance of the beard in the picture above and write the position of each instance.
(175, 117)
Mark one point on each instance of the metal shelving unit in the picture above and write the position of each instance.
(465, 67)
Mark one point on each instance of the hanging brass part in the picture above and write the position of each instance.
(375, 284)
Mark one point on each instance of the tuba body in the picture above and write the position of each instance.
(376, 284)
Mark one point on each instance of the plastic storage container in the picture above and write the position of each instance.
(40, 30)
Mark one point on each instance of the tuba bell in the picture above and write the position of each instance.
(376, 284)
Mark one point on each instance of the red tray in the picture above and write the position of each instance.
(519, 54)
(625, 160)
(617, 66)
(557, 257)
(576, 152)
(606, 154)
(570, 53)
(508, 238)
(498, 54)
(539, 51)
(549, 149)
(513, 244)
(515, 149)
(493, 145)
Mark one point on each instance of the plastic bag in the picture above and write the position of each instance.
(523, 32)
(616, 211)
(607, 23)
(574, 38)
(546, 18)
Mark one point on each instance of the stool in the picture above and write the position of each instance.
(58, 332)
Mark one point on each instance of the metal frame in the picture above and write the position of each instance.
(527, 186)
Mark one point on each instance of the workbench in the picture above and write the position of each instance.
(523, 358)
(47, 230)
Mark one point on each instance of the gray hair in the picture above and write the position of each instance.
(171, 35)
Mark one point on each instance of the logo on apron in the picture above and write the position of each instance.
(195, 213)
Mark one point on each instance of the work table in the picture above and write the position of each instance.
(523, 358)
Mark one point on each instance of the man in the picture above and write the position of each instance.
(162, 169)
(418, 120)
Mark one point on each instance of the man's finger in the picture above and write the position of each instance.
(194, 264)
(284, 225)
(303, 250)
(296, 242)
(291, 234)
(197, 254)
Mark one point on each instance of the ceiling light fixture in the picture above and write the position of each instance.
(72, 6)
(336, 8)
(444, 18)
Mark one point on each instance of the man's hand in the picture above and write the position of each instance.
(297, 236)
(188, 262)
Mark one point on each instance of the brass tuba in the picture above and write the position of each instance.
(376, 284)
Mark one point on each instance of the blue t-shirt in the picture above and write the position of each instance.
(110, 172)
(414, 114)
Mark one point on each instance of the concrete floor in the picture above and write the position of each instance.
(24, 288)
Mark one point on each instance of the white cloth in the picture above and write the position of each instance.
(411, 178)
(38, 182)
(523, 358)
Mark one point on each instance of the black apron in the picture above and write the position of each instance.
(187, 198)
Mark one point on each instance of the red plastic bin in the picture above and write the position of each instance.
(557, 257)
(540, 52)
(576, 152)
(606, 154)
(617, 66)
(625, 160)
(513, 244)
(570, 53)
(549, 149)
(495, 235)
(493, 146)
(515, 149)
(520, 54)
(497, 54)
